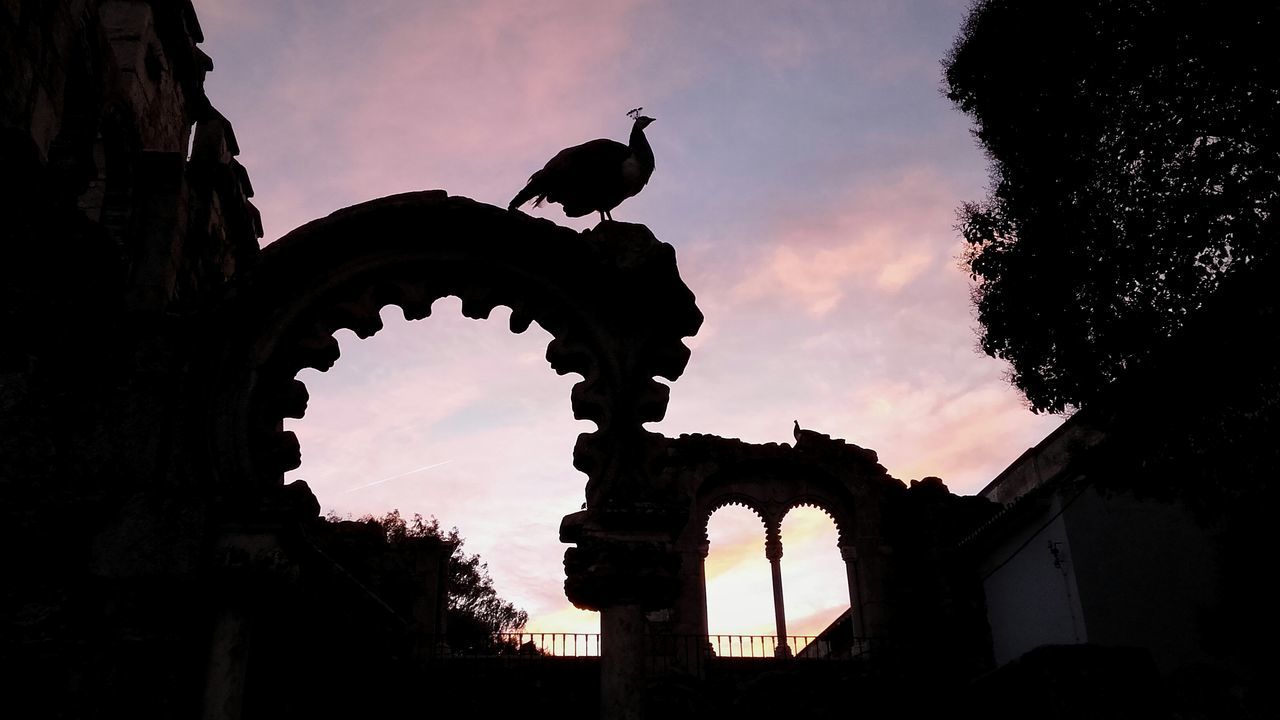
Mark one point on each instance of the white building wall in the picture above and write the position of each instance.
(1030, 584)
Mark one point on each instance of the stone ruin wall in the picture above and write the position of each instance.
(104, 109)
(124, 215)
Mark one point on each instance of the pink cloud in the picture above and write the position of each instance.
(457, 96)
(471, 97)
(965, 434)
(871, 241)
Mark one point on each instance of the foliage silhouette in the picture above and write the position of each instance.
(1125, 260)
(1134, 168)
(477, 615)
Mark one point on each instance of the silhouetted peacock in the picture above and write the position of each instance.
(806, 436)
(594, 176)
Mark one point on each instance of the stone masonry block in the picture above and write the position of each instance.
(129, 28)
(44, 122)
(125, 18)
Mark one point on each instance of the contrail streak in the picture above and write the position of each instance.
(396, 477)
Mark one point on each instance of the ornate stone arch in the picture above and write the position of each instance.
(611, 297)
(772, 509)
(841, 519)
(705, 511)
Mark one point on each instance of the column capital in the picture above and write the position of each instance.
(773, 549)
(604, 571)
(773, 540)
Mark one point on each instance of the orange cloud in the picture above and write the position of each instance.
(566, 619)
(813, 623)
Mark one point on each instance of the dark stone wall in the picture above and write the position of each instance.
(115, 243)
(934, 587)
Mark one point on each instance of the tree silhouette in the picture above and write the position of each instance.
(1135, 167)
(477, 614)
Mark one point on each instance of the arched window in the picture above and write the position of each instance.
(739, 594)
(817, 589)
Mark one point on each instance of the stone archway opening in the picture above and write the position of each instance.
(740, 611)
(817, 590)
(612, 299)
(459, 419)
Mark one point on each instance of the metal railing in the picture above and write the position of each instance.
(764, 646)
(695, 651)
(682, 649)
(532, 645)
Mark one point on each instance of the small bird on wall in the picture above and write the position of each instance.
(595, 176)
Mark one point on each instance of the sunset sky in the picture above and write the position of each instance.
(808, 172)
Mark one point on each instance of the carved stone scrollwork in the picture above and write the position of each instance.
(611, 297)
(773, 541)
(603, 572)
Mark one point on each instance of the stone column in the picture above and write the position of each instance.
(704, 550)
(633, 580)
(622, 658)
(849, 554)
(773, 551)
(227, 669)
(683, 627)
(871, 570)
(689, 617)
